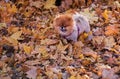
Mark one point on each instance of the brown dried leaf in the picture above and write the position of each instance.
(89, 52)
(37, 4)
(61, 47)
(109, 42)
(108, 74)
(32, 73)
(49, 41)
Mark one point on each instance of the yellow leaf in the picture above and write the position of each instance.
(43, 51)
(50, 4)
(72, 77)
(105, 15)
(81, 56)
(16, 35)
(83, 37)
(27, 49)
(27, 13)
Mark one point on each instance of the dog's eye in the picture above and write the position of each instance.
(63, 29)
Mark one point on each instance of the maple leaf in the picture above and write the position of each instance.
(91, 15)
(112, 30)
(11, 9)
(49, 4)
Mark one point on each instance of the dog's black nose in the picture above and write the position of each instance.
(63, 29)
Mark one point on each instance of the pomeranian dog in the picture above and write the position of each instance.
(71, 25)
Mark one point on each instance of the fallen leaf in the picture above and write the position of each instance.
(50, 4)
(16, 35)
(109, 74)
(61, 47)
(98, 41)
(2, 25)
(89, 52)
(105, 15)
(37, 4)
(11, 9)
(112, 30)
(109, 42)
(13, 29)
(117, 3)
(32, 73)
(32, 62)
(11, 40)
(1, 64)
(49, 41)
(44, 52)
(72, 77)
(27, 49)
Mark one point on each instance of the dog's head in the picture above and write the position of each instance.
(63, 24)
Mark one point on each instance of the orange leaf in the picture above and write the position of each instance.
(11, 9)
(111, 30)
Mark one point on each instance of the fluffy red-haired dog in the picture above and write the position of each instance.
(72, 25)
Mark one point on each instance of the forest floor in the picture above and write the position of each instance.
(31, 49)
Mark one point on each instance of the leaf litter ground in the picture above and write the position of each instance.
(30, 48)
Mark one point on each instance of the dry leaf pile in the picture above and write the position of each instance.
(31, 49)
